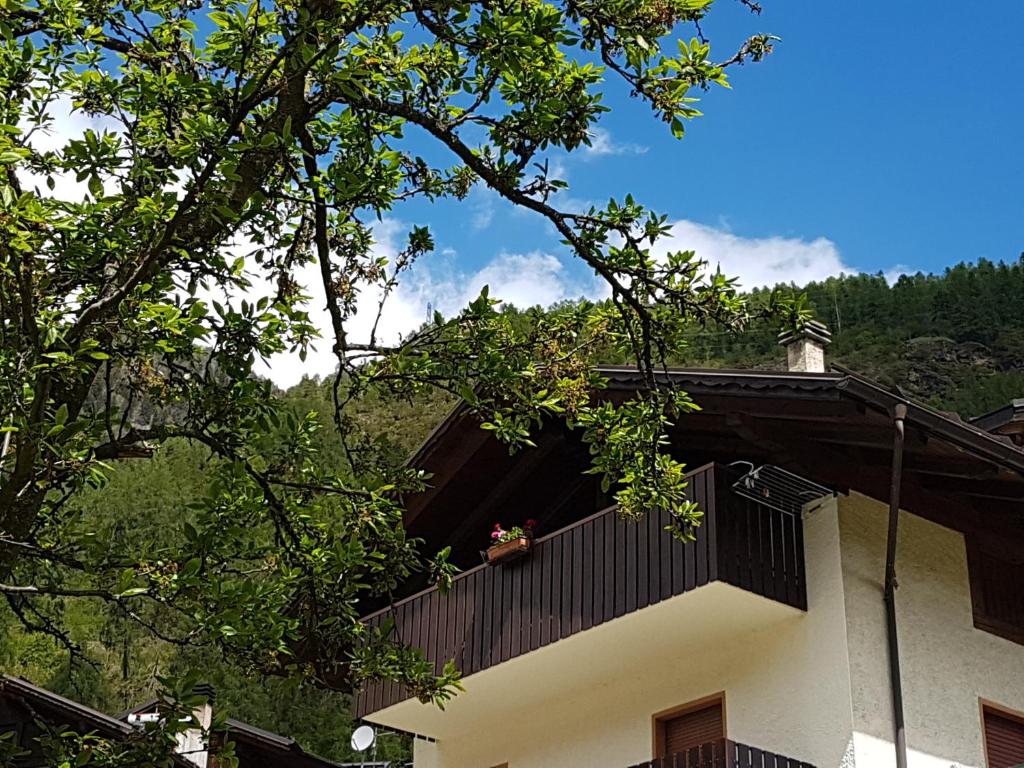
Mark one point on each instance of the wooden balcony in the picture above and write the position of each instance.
(594, 571)
(724, 754)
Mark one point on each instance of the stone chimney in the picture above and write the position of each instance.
(805, 347)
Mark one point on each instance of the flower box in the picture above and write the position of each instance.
(508, 550)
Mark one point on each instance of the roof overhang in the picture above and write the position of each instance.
(834, 427)
(1008, 420)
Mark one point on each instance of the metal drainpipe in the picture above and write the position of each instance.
(899, 413)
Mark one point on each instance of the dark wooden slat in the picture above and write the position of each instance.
(600, 566)
(479, 609)
(631, 566)
(619, 528)
(779, 559)
(431, 635)
(643, 564)
(499, 616)
(576, 615)
(612, 566)
(442, 630)
(664, 556)
(798, 555)
(587, 553)
(456, 622)
(487, 608)
(726, 533)
(515, 614)
(564, 621)
(680, 553)
(742, 544)
(714, 490)
(529, 605)
(789, 537)
(690, 562)
(444, 645)
(755, 518)
(654, 536)
(547, 591)
(701, 544)
(463, 632)
(765, 521)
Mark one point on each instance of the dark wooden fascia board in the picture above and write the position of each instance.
(954, 431)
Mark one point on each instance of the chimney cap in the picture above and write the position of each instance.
(812, 329)
(206, 690)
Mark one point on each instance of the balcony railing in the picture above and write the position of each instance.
(724, 754)
(593, 571)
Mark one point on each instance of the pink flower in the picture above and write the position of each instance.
(495, 535)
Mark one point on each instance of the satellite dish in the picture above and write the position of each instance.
(363, 738)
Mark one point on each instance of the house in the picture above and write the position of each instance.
(24, 707)
(854, 595)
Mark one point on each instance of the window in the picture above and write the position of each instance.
(1004, 737)
(692, 725)
(997, 593)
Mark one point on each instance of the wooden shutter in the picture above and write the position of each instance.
(691, 728)
(997, 593)
(1004, 739)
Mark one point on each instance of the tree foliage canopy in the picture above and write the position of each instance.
(239, 142)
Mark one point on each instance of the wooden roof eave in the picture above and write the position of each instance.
(837, 411)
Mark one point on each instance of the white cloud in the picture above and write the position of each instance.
(602, 144)
(757, 261)
(537, 277)
(523, 280)
(895, 272)
(64, 124)
(482, 203)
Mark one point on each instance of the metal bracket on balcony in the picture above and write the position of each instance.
(778, 488)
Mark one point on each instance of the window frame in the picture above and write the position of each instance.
(658, 719)
(985, 705)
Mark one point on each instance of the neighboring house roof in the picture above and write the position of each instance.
(283, 750)
(256, 746)
(1008, 420)
(54, 708)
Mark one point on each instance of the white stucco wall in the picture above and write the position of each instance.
(947, 664)
(779, 674)
(812, 686)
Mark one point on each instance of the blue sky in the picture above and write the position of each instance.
(890, 129)
(879, 137)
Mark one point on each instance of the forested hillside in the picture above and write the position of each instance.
(955, 340)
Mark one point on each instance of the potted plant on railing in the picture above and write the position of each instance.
(509, 544)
